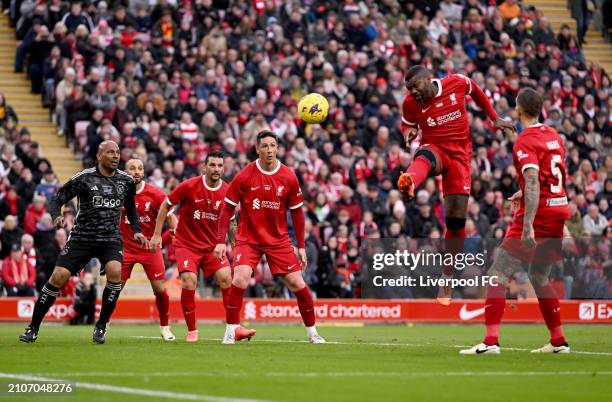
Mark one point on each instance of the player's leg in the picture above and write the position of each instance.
(223, 276)
(70, 260)
(235, 296)
(550, 308)
(48, 294)
(295, 283)
(188, 264)
(110, 296)
(426, 160)
(504, 266)
(455, 207)
(153, 265)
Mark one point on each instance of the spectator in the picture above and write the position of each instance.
(18, 274)
(594, 222)
(84, 303)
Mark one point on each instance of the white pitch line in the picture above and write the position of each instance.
(579, 352)
(132, 391)
(333, 374)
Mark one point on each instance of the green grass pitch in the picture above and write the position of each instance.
(370, 363)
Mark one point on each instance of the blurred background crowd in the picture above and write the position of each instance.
(173, 80)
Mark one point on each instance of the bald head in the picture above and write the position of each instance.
(106, 145)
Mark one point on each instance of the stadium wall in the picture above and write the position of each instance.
(329, 310)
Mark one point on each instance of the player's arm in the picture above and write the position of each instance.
(171, 220)
(162, 216)
(225, 217)
(409, 124)
(483, 102)
(233, 226)
(132, 214)
(532, 200)
(65, 193)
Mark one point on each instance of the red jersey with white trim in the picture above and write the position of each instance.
(264, 198)
(148, 200)
(200, 206)
(442, 118)
(540, 147)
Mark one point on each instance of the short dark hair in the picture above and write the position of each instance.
(530, 102)
(214, 154)
(416, 71)
(266, 133)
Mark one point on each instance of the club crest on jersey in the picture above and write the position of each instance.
(453, 98)
(217, 204)
(120, 189)
(279, 190)
(147, 206)
(431, 122)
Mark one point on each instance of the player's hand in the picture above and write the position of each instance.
(528, 238)
(59, 222)
(504, 125)
(302, 257)
(516, 201)
(409, 135)
(140, 238)
(155, 242)
(220, 250)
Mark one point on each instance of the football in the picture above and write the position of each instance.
(313, 108)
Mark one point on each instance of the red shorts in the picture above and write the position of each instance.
(455, 167)
(281, 259)
(548, 235)
(191, 261)
(152, 262)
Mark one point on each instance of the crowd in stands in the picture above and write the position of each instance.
(172, 80)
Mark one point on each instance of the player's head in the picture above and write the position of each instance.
(213, 165)
(135, 168)
(108, 155)
(267, 146)
(418, 83)
(528, 104)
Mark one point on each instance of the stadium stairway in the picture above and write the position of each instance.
(31, 114)
(596, 48)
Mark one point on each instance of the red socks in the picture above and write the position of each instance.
(306, 306)
(188, 304)
(224, 292)
(163, 304)
(419, 170)
(494, 311)
(233, 304)
(551, 311)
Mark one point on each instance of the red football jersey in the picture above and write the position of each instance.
(148, 200)
(442, 118)
(540, 147)
(199, 210)
(264, 198)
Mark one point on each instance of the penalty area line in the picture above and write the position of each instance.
(131, 391)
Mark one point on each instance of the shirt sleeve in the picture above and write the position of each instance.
(234, 192)
(176, 195)
(408, 116)
(295, 199)
(525, 155)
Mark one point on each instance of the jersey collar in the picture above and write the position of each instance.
(276, 169)
(144, 184)
(208, 187)
(535, 125)
(437, 81)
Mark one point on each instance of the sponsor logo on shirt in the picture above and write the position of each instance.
(256, 203)
(447, 118)
(198, 215)
(521, 155)
(431, 122)
(99, 201)
(553, 144)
